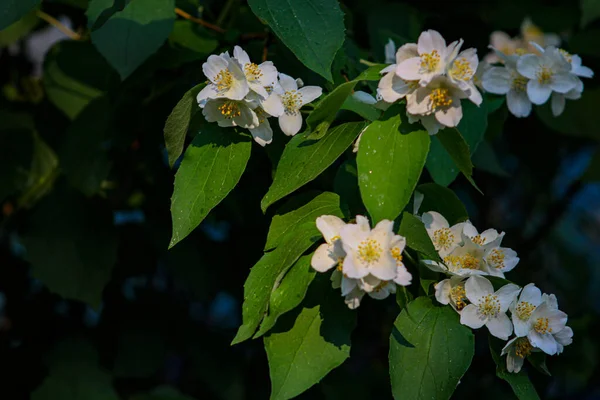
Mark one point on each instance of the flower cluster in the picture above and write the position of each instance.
(242, 93)
(535, 320)
(433, 78)
(366, 260)
(532, 74)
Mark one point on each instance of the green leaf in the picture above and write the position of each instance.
(178, 123)
(162, 393)
(367, 111)
(440, 165)
(74, 374)
(416, 236)
(71, 245)
(42, 173)
(403, 297)
(538, 360)
(312, 29)
(20, 28)
(520, 383)
(268, 272)
(346, 185)
(289, 293)
(13, 10)
(304, 159)
(75, 74)
(308, 346)
(444, 201)
(83, 155)
(429, 351)
(455, 145)
(16, 152)
(389, 165)
(212, 165)
(188, 35)
(590, 11)
(132, 35)
(324, 204)
(373, 73)
(485, 159)
(324, 113)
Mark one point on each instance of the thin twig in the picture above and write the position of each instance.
(58, 25)
(199, 21)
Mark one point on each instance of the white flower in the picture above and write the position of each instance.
(431, 60)
(257, 76)
(500, 260)
(543, 323)
(505, 45)
(452, 291)
(351, 291)
(391, 87)
(227, 80)
(262, 133)
(444, 238)
(521, 310)
(532, 33)
(488, 307)
(564, 337)
(228, 113)
(488, 239)
(292, 99)
(461, 71)
(516, 350)
(428, 121)
(547, 73)
(397, 245)
(507, 81)
(558, 100)
(330, 253)
(368, 251)
(440, 98)
(390, 51)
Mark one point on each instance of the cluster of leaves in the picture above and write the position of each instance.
(133, 50)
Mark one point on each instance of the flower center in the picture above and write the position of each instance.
(430, 61)
(521, 51)
(230, 109)
(519, 83)
(544, 75)
(524, 310)
(461, 70)
(443, 239)
(340, 264)
(459, 296)
(369, 251)
(412, 85)
(261, 114)
(253, 72)
(223, 80)
(496, 258)
(292, 101)
(440, 98)
(523, 347)
(541, 326)
(566, 55)
(489, 305)
(397, 254)
(478, 240)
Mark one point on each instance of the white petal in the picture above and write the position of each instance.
(287, 82)
(329, 226)
(521, 327)
(247, 117)
(470, 317)
(562, 83)
(474, 94)
(348, 285)
(354, 269)
(409, 69)
(269, 76)
(368, 283)
(433, 221)
(584, 72)
(531, 294)
(431, 124)
(442, 291)
(538, 93)
(545, 342)
(364, 97)
(390, 50)
(321, 260)
(406, 51)
(385, 268)
(273, 105)
(206, 93)
(431, 40)
(211, 111)
(352, 300)
(514, 363)
(213, 65)
(451, 116)
(309, 93)
(290, 124)
(528, 65)
(507, 294)
(476, 287)
(403, 277)
(262, 134)
(241, 55)
(518, 103)
(497, 80)
(435, 266)
(500, 327)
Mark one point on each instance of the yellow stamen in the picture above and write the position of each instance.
(292, 101)
(443, 239)
(541, 326)
(440, 98)
(461, 70)
(223, 80)
(369, 251)
(524, 310)
(523, 347)
(544, 75)
(459, 296)
(478, 240)
(496, 258)
(230, 109)
(489, 305)
(519, 83)
(430, 61)
(397, 254)
(566, 55)
(521, 51)
(253, 72)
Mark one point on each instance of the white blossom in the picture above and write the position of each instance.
(452, 291)
(257, 76)
(226, 113)
(543, 324)
(292, 99)
(521, 310)
(330, 253)
(441, 98)
(392, 87)
(516, 350)
(444, 237)
(227, 80)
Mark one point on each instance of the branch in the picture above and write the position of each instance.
(58, 25)
(199, 21)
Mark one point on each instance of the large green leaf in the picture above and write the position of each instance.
(71, 245)
(267, 274)
(324, 204)
(429, 351)
(373, 73)
(443, 200)
(304, 159)
(416, 236)
(308, 345)
(312, 29)
(132, 35)
(178, 122)
(389, 165)
(520, 383)
(74, 374)
(459, 151)
(211, 167)
(75, 74)
(324, 113)
(12, 10)
(289, 293)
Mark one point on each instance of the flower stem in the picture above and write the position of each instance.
(58, 25)
(199, 21)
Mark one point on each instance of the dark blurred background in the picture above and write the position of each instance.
(85, 191)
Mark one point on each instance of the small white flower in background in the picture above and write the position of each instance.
(482, 68)
(432, 57)
(558, 99)
(440, 98)
(543, 324)
(516, 350)
(505, 45)
(226, 113)
(548, 73)
(293, 98)
(521, 310)
(532, 33)
(390, 52)
(391, 87)
(452, 291)
(258, 76)
(227, 80)
(488, 307)
(330, 253)
(444, 238)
